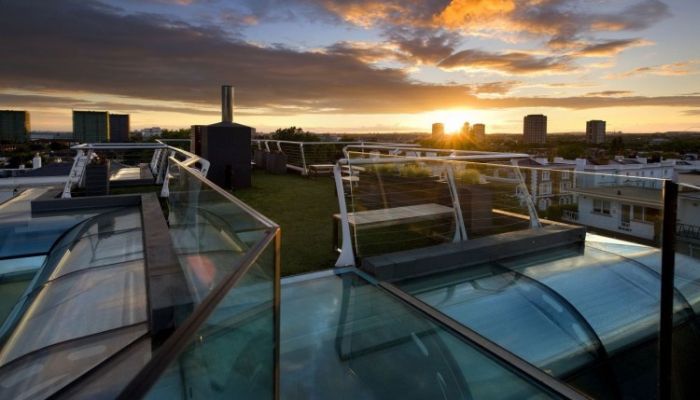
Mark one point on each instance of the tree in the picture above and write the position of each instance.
(183, 133)
(294, 134)
(571, 151)
(617, 146)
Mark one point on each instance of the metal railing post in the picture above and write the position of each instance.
(165, 189)
(534, 218)
(346, 258)
(303, 159)
(668, 265)
(460, 229)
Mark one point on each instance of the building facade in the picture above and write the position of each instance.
(535, 129)
(619, 197)
(624, 172)
(548, 183)
(438, 130)
(466, 129)
(91, 126)
(595, 131)
(624, 210)
(479, 132)
(119, 128)
(14, 126)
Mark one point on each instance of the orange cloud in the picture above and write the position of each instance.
(461, 13)
(368, 13)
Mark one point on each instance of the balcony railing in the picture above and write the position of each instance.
(304, 157)
(688, 231)
(569, 215)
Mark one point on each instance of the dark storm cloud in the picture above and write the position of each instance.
(84, 46)
(80, 46)
(48, 101)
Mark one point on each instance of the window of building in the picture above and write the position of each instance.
(601, 206)
(565, 175)
(652, 214)
(638, 213)
(545, 175)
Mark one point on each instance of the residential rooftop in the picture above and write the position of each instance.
(395, 272)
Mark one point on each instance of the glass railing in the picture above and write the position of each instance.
(568, 259)
(229, 253)
(399, 203)
(681, 349)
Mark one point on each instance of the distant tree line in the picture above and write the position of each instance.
(294, 134)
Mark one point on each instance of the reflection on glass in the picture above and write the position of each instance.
(513, 311)
(345, 338)
(232, 355)
(209, 232)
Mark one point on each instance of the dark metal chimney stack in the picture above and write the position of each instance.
(227, 146)
(227, 104)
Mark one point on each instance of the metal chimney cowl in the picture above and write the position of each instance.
(227, 104)
(227, 146)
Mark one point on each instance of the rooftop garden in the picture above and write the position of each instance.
(303, 207)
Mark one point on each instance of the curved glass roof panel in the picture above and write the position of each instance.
(342, 336)
(687, 277)
(514, 312)
(92, 281)
(79, 305)
(100, 250)
(617, 296)
(39, 375)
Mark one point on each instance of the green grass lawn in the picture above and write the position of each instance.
(303, 208)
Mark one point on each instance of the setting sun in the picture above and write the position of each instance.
(453, 119)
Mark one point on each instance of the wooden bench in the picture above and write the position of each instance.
(391, 216)
(320, 169)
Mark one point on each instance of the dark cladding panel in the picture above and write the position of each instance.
(119, 128)
(196, 139)
(227, 147)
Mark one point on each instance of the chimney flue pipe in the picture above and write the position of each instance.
(226, 103)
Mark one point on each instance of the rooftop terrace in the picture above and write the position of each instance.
(396, 272)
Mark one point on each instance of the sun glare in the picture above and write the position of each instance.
(453, 119)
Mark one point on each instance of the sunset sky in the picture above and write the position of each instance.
(356, 65)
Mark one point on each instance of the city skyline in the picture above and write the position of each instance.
(359, 66)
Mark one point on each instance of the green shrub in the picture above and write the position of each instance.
(414, 171)
(468, 176)
(384, 169)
